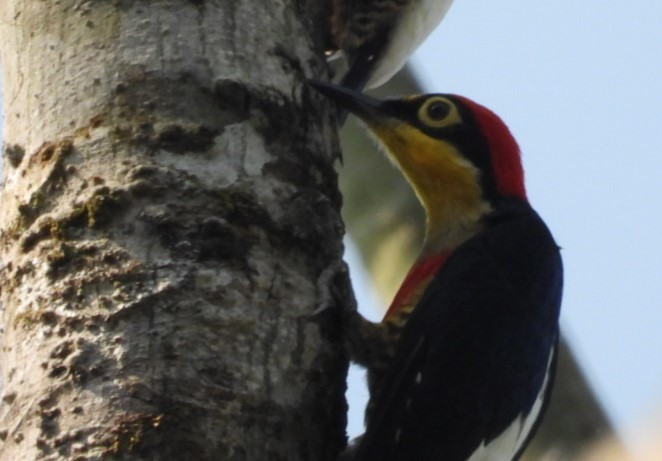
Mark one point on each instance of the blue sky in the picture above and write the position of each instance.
(580, 85)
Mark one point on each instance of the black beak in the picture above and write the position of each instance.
(364, 107)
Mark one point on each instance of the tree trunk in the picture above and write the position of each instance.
(169, 222)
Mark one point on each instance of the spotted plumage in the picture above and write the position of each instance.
(463, 363)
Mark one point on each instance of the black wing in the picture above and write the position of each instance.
(476, 350)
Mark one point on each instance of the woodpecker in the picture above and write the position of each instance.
(377, 36)
(462, 365)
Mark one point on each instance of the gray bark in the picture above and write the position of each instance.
(170, 220)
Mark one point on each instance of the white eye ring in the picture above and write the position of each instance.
(439, 112)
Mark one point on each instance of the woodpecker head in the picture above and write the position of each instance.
(459, 156)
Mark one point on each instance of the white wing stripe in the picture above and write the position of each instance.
(509, 442)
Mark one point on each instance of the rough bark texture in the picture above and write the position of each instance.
(170, 220)
(384, 218)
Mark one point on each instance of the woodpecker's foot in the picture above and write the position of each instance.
(369, 344)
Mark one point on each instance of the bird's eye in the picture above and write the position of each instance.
(438, 112)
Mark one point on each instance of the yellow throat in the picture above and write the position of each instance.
(447, 184)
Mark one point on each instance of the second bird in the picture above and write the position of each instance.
(377, 36)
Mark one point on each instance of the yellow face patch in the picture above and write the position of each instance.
(447, 184)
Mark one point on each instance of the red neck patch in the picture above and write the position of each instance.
(421, 273)
(506, 156)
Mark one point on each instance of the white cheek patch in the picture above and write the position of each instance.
(509, 442)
